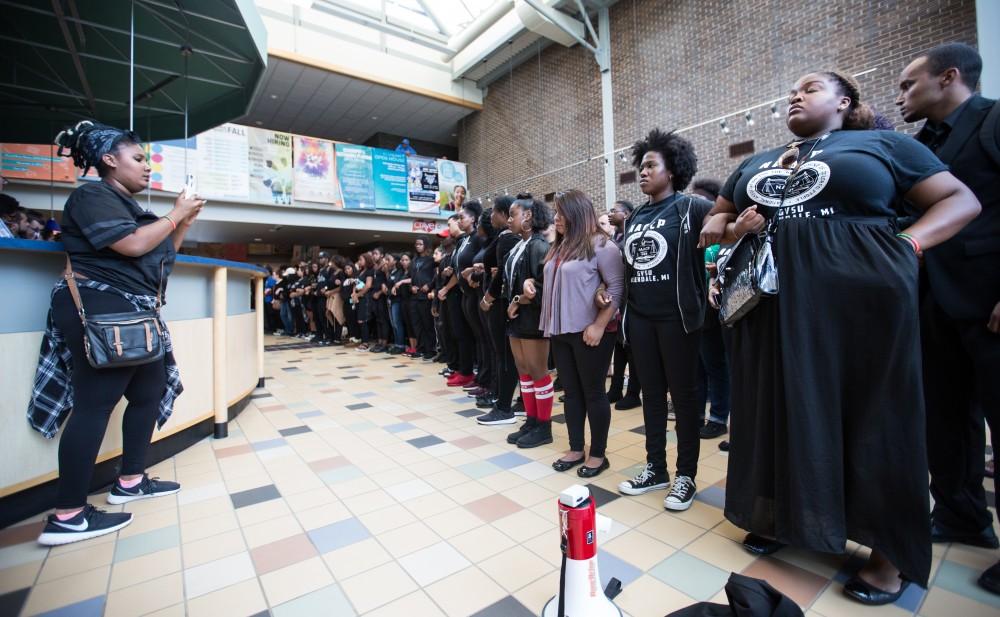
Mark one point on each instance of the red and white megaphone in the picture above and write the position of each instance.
(580, 593)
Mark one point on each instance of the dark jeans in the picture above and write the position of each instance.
(462, 333)
(582, 370)
(961, 361)
(398, 324)
(665, 354)
(286, 317)
(383, 325)
(324, 331)
(623, 357)
(505, 369)
(713, 378)
(95, 394)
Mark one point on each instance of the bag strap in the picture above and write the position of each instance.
(74, 291)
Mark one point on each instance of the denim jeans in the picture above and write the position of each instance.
(286, 317)
(398, 325)
(713, 378)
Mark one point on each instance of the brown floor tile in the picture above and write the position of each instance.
(281, 553)
(329, 463)
(20, 533)
(798, 584)
(233, 451)
(493, 508)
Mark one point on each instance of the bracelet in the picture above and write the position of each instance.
(516, 299)
(170, 220)
(913, 242)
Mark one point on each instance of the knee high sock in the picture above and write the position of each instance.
(543, 398)
(528, 396)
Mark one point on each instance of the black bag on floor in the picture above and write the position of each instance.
(748, 597)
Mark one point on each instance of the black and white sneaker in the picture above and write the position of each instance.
(647, 480)
(88, 523)
(518, 408)
(146, 488)
(496, 417)
(681, 494)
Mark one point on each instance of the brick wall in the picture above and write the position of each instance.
(677, 63)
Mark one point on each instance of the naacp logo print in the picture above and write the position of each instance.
(767, 187)
(645, 250)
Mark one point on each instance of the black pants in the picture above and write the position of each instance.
(323, 328)
(713, 374)
(474, 317)
(665, 354)
(95, 394)
(503, 358)
(582, 370)
(351, 316)
(383, 327)
(961, 361)
(423, 325)
(446, 339)
(461, 333)
(623, 357)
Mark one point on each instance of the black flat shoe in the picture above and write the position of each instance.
(990, 580)
(987, 538)
(561, 465)
(590, 472)
(857, 589)
(759, 545)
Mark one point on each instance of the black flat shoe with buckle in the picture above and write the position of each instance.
(590, 472)
(857, 589)
(561, 465)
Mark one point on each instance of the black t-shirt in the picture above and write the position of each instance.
(465, 256)
(346, 285)
(650, 249)
(378, 280)
(403, 291)
(497, 258)
(96, 216)
(846, 174)
(423, 271)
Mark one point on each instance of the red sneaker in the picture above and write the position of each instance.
(460, 380)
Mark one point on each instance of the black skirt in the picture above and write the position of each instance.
(525, 325)
(828, 432)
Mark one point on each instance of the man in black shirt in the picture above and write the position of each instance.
(422, 273)
(960, 316)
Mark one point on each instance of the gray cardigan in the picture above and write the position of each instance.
(568, 297)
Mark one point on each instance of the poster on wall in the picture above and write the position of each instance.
(170, 161)
(450, 175)
(389, 174)
(422, 179)
(354, 172)
(315, 171)
(35, 162)
(270, 167)
(224, 162)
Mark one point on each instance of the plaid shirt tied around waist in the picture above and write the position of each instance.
(52, 395)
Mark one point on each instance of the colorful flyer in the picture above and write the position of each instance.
(315, 171)
(450, 175)
(224, 163)
(389, 172)
(422, 179)
(270, 167)
(354, 172)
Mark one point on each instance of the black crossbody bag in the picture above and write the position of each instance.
(113, 340)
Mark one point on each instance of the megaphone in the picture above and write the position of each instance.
(580, 593)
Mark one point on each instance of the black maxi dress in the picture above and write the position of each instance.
(828, 432)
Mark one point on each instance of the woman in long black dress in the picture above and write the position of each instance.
(827, 426)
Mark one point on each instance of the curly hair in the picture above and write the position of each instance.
(677, 152)
(541, 215)
(87, 142)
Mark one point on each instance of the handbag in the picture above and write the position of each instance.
(113, 340)
(746, 275)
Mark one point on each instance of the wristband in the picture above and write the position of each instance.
(913, 242)
(170, 220)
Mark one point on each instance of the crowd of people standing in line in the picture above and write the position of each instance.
(875, 240)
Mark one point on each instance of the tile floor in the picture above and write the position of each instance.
(356, 484)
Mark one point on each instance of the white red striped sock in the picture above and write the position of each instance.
(528, 396)
(543, 398)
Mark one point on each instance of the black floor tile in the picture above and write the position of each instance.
(254, 496)
(470, 413)
(508, 607)
(601, 496)
(423, 442)
(357, 406)
(295, 430)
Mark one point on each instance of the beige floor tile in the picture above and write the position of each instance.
(468, 491)
(408, 539)
(60, 566)
(295, 580)
(465, 592)
(530, 494)
(943, 603)
(377, 586)
(148, 521)
(245, 483)
(67, 590)
(524, 525)
(648, 597)
(387, 519)
(629, 512)
(145, 568)
(260, 512)
(269, 531)
(721, 552)
(502, 481)
(19, 577)
(453, 522)
(215, 547)
(702, 515)
(971, 556)
(671, 529)
(833, 603)
(416, 603)
(202, 528)
(177, 610)
(429, 505)
(446, 479)
(481, 543)
(79, 546)
(310, 499)
(515, 568)
(146, 597)
(204, 509)
(243, 598)
(547, 546)
(369, 502)
(356, 558)
(321, 516)
(642, 550)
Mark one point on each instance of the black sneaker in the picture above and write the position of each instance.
(148, 487)
(496, 417)
(538, 436)
(518, 408)
(711, 430)
(428, 357)
(396, 350)
(485, 402)
(647, 480)
(89, 523)
(529, 423)
(629, 401)
(681, 494)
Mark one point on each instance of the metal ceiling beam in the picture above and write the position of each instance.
(434, 17)
(377, 25)
(179, 112)
(71, 46)
(478, 25)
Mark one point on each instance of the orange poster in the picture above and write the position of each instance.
(35, 162)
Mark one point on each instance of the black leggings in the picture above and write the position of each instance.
(582, 370)
(484, 357)
(423, 325)
(383, 327)
(461, 332)
(503, 358)
(623, 357)
(665, 354)
(95, 394)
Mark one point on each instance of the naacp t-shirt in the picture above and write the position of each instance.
(96, 216)
(847, 174)
(650, 251)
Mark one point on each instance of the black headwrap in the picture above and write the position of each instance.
(88, 142)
